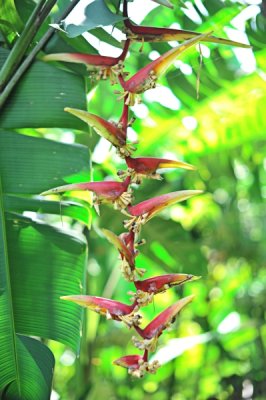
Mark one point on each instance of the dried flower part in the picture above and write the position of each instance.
(146, 167)
(105, 66)
(131, 274)
(136, 365)
(110, 131)
(117, 193)
(123, 200)
(146, 77)
(155, 328)
(158, 284)
(112, 309)
(145, 344)
(141, 298)
(132, 319)
(144, 211)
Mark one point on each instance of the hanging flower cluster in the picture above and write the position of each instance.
(119, 194)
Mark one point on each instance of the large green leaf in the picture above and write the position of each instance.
(26, 366)
(35, 371)
(32, 165)
(39, 263)
(38, 100)
(50, 263)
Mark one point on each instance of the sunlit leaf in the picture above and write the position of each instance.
(94, 14)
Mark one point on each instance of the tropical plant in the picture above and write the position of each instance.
(42, 257)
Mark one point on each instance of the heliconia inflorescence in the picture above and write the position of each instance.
(120, 194)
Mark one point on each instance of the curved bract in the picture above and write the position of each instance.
(147, 76)
(152, 34)
(108, 130)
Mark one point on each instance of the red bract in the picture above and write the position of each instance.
(106, 66)
(147, 166)
(152, 34)
(147, 288)
(117, 193)
(164, 319)
(126, 247)
(123, 121)
(119, 244)
(155, 328)
(127, 255)
(158, 284)
(108, 130)
(128, 238)
(146, 77)
(144, 211)
(131, 361)
(136, 365)
(112, 309)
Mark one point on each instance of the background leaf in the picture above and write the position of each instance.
(31, 165)
(45, 258)
(93, 15)
(80, 212)
(9, 13)
(36, 364)
(26, 368)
